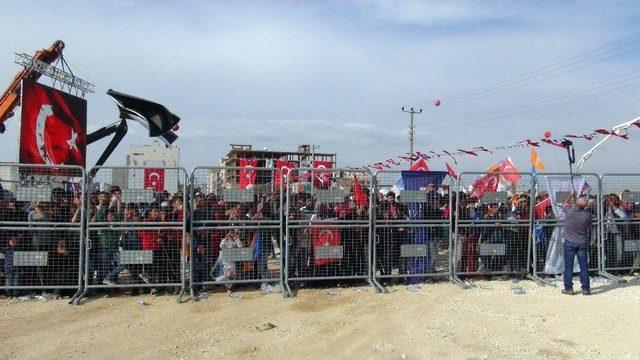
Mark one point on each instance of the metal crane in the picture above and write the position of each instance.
(11, 96)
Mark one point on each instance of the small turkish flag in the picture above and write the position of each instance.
(321, 177)
(154, 179)
(486, 183)
(420, 165)
(511, 173)
(282, 171)
(247, 173)
(451, 172)
(54, 126)
(359, 196)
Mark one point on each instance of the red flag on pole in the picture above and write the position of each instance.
(541, 207)
(154, 179)
(607, 132)
(487, 183)
(359, 196)
(247, 173)
(451, 172)
(507, 166)
(420, 165)
(321, 178)
(282, 171)
(54, 126)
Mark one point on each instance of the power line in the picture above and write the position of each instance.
(635, 38)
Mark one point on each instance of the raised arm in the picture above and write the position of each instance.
(571, 198)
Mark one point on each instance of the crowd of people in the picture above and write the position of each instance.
(35, 257)
(621, 233)
(493, 236)
(141, 246)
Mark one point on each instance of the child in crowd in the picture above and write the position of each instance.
(232, 240)
(11, 274)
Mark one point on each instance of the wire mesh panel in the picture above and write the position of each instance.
(41, 217)
(412, 225)
(493, 223)
(236, 227)
(136, 229)
(552, 194)
(328, 225)
(621, 222)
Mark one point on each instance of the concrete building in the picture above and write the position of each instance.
(153, 155)
(303, 157)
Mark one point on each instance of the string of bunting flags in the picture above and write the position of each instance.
(420, 158)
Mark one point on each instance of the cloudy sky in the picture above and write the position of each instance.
(335, 74)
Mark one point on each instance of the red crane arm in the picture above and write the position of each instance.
(9, 98)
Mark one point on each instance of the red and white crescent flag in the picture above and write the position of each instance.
(247, 173)
(420, 165)
(451, 172)
(282, 170)
(154, 179)
(54, 126)
(359, 196)
(507, 166)
(321, 177)
(486, 183)
(323, 235)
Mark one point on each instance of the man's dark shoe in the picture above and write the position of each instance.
(586, 292)
(568, 292)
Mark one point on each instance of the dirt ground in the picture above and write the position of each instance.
(440, 320)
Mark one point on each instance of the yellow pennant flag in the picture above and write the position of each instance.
(535, 160)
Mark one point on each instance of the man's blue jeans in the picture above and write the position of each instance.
(570, 252)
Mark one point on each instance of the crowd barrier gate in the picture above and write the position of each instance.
(412, 232)
(491, 233)
(236, 228)
(136, 229)
(620, 225)
(328, 227)
(41, 237)
(548, 222)
(63, 230)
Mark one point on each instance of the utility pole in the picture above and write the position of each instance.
(313, 158)
(411, 129)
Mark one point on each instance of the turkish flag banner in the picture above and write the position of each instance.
(247, 173)
(507, 166)
(54, 126)
(154, 179)
(321, 178)
(487, 183)
(282, 170)
(323, 235)
(420, 165)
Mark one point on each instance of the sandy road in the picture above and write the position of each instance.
(438, 321)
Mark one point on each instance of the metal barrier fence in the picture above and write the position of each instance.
(329, 225)
(412, 226)
(127, 227)
(492, 225)
(135, 235)
(236, 228)
(620, 224)
(552, 190)
(41, 217)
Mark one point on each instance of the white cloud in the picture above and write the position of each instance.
(334, 74)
